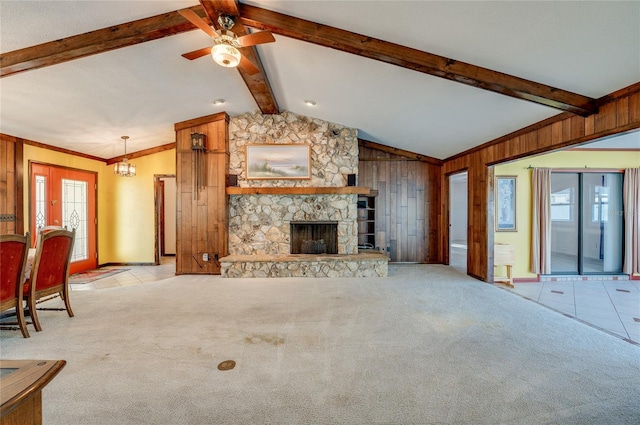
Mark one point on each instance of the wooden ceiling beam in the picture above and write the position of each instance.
(171, 23)
(258, 84)
(94, 42)
(135, 32)
(407, 57)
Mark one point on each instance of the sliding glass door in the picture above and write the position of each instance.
(565, 222)
(586, 223)
(602, 224)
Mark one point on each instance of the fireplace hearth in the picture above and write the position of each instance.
(314, 237)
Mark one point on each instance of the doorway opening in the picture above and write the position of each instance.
(165, 217)
(458, 213)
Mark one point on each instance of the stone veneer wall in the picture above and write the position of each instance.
(374, 264)
(260, 224)
(334, 148)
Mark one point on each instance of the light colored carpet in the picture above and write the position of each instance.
(426, 345)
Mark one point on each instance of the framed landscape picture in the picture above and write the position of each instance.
(506, 203)
(278, 161)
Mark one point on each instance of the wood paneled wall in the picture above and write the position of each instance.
(619, 113)
(11, 185)
(203, 219)
(407, 205)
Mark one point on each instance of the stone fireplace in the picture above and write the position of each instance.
(314, 237)
(277, 226)
(261, 224)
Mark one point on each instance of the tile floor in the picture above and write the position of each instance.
(609, 305)
(134, 275)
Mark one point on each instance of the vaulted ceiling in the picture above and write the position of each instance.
(435, 78)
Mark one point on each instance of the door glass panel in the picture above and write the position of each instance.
(74, 215)
(41, 201)
(602, 226)
(564, 222)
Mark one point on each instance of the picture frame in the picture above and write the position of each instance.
(506, 204)
(278, 162)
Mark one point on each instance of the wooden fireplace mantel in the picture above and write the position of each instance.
(348, 190)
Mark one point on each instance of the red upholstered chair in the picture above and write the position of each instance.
(50, 272)
(13, 258)
(46, 229)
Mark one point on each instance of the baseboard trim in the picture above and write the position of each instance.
(477, 277)
(526, 279)
(126, 264)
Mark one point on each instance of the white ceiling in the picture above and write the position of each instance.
(591, 48)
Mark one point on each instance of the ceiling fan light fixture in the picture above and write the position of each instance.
(225, 55)
(226, 21)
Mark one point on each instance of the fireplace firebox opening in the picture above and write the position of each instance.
(314, 237)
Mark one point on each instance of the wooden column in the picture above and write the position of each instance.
(11, 185)
(202, 213)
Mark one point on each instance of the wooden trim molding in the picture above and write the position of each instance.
(62, 150)
(395, 151)
(110, 161)
(141, 153)
(526, 279)
(19, 170)
(49, 147)
(201, 121)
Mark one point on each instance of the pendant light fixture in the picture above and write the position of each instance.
(124, 168)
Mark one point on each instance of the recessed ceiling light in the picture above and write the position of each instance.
(310, 102)
(218, 101)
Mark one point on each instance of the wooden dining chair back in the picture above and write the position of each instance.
(13, 259)
(44, 230)
(50, 272)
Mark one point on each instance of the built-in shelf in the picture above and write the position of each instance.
(348, 190)
(367, 220)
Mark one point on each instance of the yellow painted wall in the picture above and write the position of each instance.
(521, 239)
(125, 205)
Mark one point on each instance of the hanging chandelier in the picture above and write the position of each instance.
(124, 168)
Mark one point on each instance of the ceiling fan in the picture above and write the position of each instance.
(227, 47)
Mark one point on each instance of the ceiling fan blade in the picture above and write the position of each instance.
(197, 53)
(247, 66)
(256, 38)
(196, 20)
